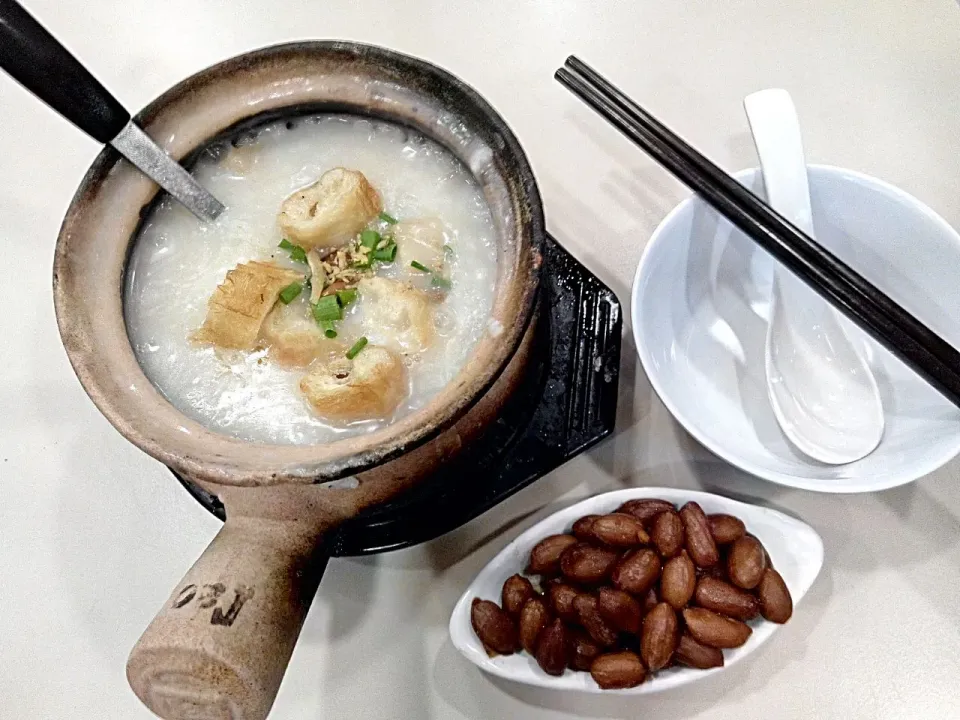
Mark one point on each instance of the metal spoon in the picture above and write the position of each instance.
(47, 69)
(823, 393)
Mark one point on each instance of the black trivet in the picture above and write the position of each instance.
(566, 403)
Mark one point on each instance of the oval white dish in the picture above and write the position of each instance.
(794, 547)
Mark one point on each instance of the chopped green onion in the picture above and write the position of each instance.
(440, 282)
(420, 266)
(386, 254)
(369, 238)
(297, 253)
(328, 329)
(327, 309)
(346, 296)
(448, 250)
(388, 219)
(290, 292)
(357, 347)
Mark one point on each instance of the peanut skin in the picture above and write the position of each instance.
(619, 609)
(746, 562)
(618, 670)
(587, 565)
(696, 655)
(715, 630)
(545, 556)
(637, 572)
(726, 599)
(659, 637)
(678, 581)
(726, 528)
(534, 617)
(552, 648)
(516, 591)
(619, 530)
(667, 533)
(560, 596)
(776, 605)
(495, 628)
(645, 509)
(700, 544)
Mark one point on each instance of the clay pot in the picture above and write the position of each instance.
(220, 644)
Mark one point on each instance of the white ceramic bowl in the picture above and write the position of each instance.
(700, 307)
(794, 548)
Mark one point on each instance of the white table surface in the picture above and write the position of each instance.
(94, 534)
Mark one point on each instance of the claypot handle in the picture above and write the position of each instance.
(220, 645)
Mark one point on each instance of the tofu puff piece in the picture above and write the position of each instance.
(293, 337)
(239, 305)
(396, 315)
(420, 240)
(369, 387)
(331, 211)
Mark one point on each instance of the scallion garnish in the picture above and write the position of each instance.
(369, 238)
(346, 296)
(440, 282)
(388, 219)
(386, 254)
(290, 292)
(357, 347)
(297, 253)
(420, 266)
(327, 309)
(328, 329)
(448, 250)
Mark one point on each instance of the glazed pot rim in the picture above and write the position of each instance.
(102, 361)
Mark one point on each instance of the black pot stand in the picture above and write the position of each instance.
(566, 403)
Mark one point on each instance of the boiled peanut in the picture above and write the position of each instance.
(678, 581)
(726, 599)
(776, 605)
(495, 628)
(637, 572)
(650, 600)
(746, 562)
(667, 533)
(703, 550)
(715, 630)
(619, 609)
(516, 591)
(586, 564)
(645, 509)
(588, 614)
(697, 655)
(561, 597)
(659, 637)
(581, 528)
(619, 530)
(552, 648)
(534, 617)
(583, 650)
(545, 556)
(725, 528)
(618, 670)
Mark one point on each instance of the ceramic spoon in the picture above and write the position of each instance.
(823, 393)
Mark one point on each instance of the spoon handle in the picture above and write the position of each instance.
(47, 69)
(775, 127)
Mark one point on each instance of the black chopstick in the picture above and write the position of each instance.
(915, 344)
